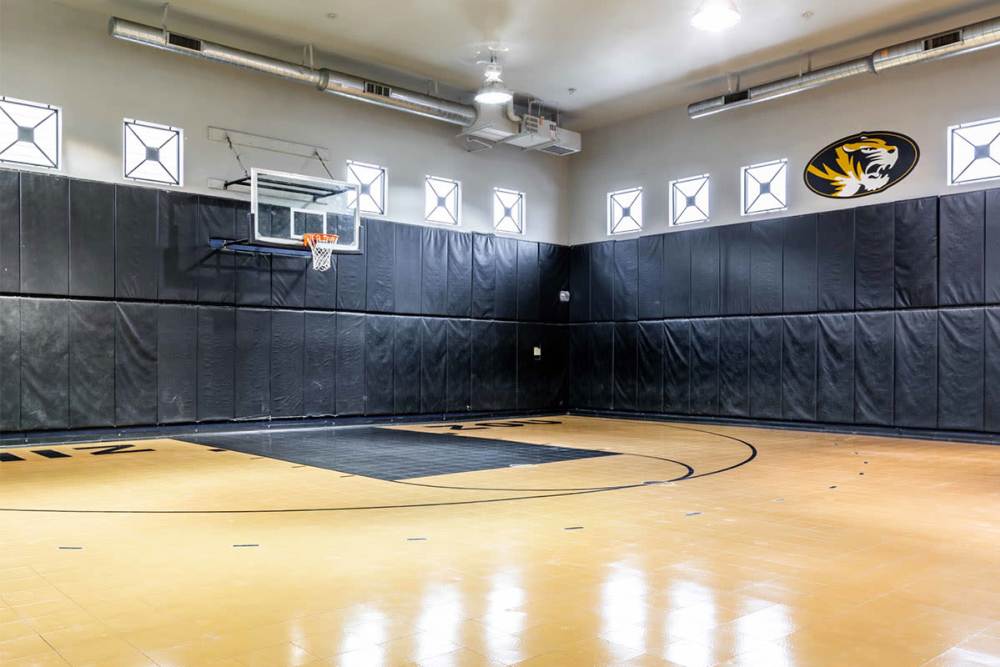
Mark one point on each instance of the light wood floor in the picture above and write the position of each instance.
(778, 548)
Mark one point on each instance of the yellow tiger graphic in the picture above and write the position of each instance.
(863, 166)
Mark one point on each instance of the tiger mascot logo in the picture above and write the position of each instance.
(861, 164)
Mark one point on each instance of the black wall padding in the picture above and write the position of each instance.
(433, 364)
(530, 371)
(44, 364)
(765, 367)
(835, 260)
(459, 274)
(602, 261)
(650, 277)
(734, 367)
(288, 281)
(555, 366)
(350, 391)
(434, 273)
(321, 287)
(625, 288)
(873, 263)
(406, 279)
(10, 364)
(319, 370)
(704, 366)
(915, 369)
(505, 294)
(217, 270)
(180, 246)
(91, 238)
(287, 359)
(505, 366)
(835, 369)
(406, 365)
(44, 234)
(91, 363)
(135, 364)
(351, 278)
(626, 365)
(602, 347)
(991, 370)
(553, 273)
(253, 363)
(799, 265)
(873, 372)
(962, 232)
(177, 346)
(676, 275)
(915, 252)
(992, 249)
(483, 382)
(735, 249)
(459, 365)
(379, 365)
(765, 267)
(650, 367)
(579, 283)
(798, 368)
(381, 270)
(217, 362)
(961, 359)
(10, 232)
(676, 366)
(484, 275)
(253, 272)
(706, 273)
(579, 366)
(527, 281)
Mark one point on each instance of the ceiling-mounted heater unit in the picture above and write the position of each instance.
(541, 134)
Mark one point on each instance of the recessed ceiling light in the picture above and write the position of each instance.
(716, 15)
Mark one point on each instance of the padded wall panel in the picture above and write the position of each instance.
(10, 364)
(626, 365)
(482, 388)
(135, 364)
(555, 366)
(321, 287)
(253, 363)
(734, 367)
(287, 363)
(650, 367)
(962, 232)
(873, 262)
(288, 281)
(180, 246)
(406, 365)
(706, 272)
(579, 366)
(602, 265)
(91, 238)
(319, 370)
(835, 260)
(961, 363)
(676, 367)
(765, 266)
(676, 275)
(705, 367)
(505, 366)
(459, 274)
(527, 281)
(992, 246)
(798, 368)
(735, 249)
(44, 364)
(873, 372)
(44, 234)
(91, 363)
(602, 348)
(433, 365)
(406, 278)
(765, 367)
(253, 272)
(10, 232)
(915, 252)
(217, 362)
(505, 290)
(352, 278)
(217, 270)
(379, 365)
(434, 271)
(915, 369)
(136, 255)
(625, 285)
(991, 370)
(799, 265)
(835, 369)
(530, 371)
(579, 283)
(553, 273)
(484, 275)
(650, 277)
(380, 269)
(350, 390)
(459, 369)
(177, 346)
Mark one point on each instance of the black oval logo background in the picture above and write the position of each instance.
(827, 172)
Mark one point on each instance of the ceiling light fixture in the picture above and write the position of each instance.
(493, 91)
(716, 15)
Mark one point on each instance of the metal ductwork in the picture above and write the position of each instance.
(951, 43)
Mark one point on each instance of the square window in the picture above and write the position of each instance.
(764, 187)
(442, 200)
(152, 153)
(371, 181)
(508, 211)
(30, 133)
(625, 211)
(689, 200)
(974, 152)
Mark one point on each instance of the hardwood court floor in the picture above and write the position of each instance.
(770, 548)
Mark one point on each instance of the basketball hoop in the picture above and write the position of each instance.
(322, 249)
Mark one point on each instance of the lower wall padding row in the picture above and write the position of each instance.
(76, 364)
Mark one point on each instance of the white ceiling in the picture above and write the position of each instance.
(623, 58)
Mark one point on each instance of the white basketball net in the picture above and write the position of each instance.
(322, 252)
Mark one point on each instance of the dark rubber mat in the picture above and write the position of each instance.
(390, 454)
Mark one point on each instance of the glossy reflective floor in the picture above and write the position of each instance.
(686, 545)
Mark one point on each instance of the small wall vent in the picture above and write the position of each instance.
(184, 41)
(380, 89)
